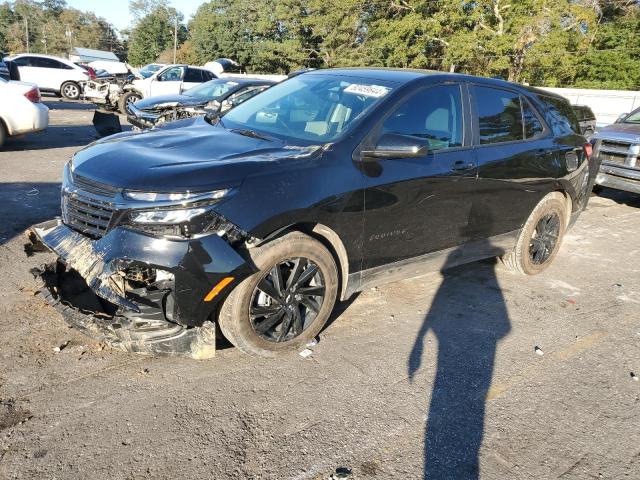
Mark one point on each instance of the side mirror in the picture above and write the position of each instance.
(393, 145)
(214, 105)
(226, 105)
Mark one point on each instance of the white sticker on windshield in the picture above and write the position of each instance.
(376, 91)
(232, 84)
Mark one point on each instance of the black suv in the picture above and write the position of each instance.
(321, 186)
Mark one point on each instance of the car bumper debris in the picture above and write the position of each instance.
(113, 289)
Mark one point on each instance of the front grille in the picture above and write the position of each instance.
(611, 144)
(85, 214)
(613, 158)
(614, 151)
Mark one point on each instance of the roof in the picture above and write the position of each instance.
(248, 81)
(89, 53)
(401, 75)
(405, 75)
(40, 55)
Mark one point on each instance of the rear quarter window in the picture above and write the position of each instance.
(560, 116)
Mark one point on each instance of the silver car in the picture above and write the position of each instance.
(618, 147)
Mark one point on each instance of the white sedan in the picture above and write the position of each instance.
(20, 110)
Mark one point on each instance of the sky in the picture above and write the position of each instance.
(117, 11)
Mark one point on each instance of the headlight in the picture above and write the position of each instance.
(184, 198)
(166, 216)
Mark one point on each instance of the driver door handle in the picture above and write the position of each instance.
(461, 166)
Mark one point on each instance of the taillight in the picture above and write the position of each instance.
(92, 73)
(588, 150)
(33, 95)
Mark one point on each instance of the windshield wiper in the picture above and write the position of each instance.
(251, 133)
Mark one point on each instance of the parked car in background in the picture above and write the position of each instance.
(210, 98)
(90, 70)
(51, 74)
(321, 186)
(222, 66)
(586, 118)
(618, 148)
(4, 68)
(170, 80)
(21, 111)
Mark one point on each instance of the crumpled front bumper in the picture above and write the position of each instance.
(141, 119)
(171, 317)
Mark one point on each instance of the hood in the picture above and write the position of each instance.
(187, 155)
(620, 131)
(168, 101)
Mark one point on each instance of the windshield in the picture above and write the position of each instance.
(212, 89)
(316, 108)
(634, 117)
(149, 70)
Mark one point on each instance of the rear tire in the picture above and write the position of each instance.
(70, 90)
(127, 99)
(308, 285)
(540, 238)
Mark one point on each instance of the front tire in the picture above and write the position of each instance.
(287, 302)
(70, 90)
(540, 238)
(126, 99)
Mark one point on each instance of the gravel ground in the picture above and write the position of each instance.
(479, 371)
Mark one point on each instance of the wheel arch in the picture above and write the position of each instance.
(568, 202)
(330, 239)
(5, 125)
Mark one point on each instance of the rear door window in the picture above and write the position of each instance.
(499, 115)
(193, 75)
(23, 62)
(434, 114)
(45, 63)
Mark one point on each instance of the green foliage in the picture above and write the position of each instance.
(268, 35)
(590, 43)
(154, 31)
(547, 42)
(48, 22)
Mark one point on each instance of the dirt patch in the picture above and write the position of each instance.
(11, 414)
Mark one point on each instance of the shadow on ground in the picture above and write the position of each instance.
(56, 136)
(621, 197)
(468, 317)
(25, 204)
(58, 104)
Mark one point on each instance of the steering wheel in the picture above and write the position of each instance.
(281, 122)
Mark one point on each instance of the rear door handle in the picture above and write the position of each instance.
(461, 166)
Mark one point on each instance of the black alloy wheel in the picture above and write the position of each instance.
(287, 299)
(544, 239)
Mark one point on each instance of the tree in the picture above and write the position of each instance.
(154, 32)
(48, 23)
(266, 36)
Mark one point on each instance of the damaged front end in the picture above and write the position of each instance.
(137, 290)
(104, 92)
(163, 113)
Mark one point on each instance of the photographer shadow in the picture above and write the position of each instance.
(468, 317)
